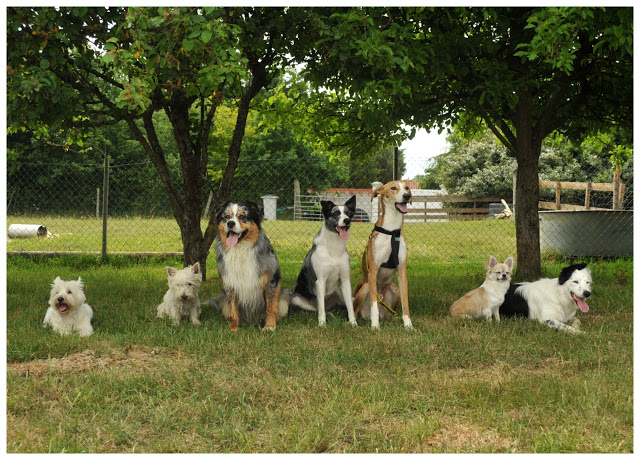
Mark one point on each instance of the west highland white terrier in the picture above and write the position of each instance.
(181, 300)
(67, 310)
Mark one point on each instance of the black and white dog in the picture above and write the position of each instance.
(552, 301)
(324, 281)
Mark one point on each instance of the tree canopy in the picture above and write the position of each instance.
(71, 69)
(523, 72)
(371, 76)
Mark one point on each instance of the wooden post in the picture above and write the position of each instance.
(558, 188)
(621, 196)
(297, 209)
(587, 196)
(97, 201)
(616, 189)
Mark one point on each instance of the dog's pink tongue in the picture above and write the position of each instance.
(232, 239)
(582, 304)
(402, 207)
(343, 233)
(62, 308)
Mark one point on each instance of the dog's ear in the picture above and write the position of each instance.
(221, 210)
(509, 262)
(195, 268)
(566, 272)
(377, 192)
(256, 211)
(171, 271)
(80, 283)
(327, 206)
(492, 262)
(351, 204)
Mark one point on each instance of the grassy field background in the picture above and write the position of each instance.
(444, 242)
(140, 384)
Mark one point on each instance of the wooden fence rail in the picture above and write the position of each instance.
(472, 211)
(588, 187)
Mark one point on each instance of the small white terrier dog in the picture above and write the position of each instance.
(182, 297)
(67, 310)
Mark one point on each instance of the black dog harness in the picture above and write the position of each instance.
(395, 246)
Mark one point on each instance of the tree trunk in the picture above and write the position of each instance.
(527, 221)
(192, 246)
(528, 147)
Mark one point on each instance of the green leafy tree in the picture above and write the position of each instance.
(72, 69)
(273, 158)
(524, 72)
(364, 169)
(481, 166)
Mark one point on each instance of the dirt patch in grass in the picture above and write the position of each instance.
(466, 436)
(138, 357)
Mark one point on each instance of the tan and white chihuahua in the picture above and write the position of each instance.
(485, 301)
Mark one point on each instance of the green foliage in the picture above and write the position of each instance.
(272, 159)
(477, 165)
(376, 167)
(561, 33)
(170, 49)
(427, 66)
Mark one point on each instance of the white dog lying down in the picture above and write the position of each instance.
(552, 301)
(67, 310)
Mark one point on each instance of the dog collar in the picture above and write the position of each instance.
(392, 262)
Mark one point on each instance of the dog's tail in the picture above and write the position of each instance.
(285, 300)
(215, 303)
(357, 288)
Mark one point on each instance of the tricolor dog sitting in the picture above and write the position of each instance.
(324, 281)
(248, 268)
(385, 255)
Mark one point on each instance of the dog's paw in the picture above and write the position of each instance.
(268, 329)
(354, 323)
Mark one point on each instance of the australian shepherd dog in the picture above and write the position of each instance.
(553, 302)
(248, 268)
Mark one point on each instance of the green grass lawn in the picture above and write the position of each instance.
(140, 384)
(439, 242)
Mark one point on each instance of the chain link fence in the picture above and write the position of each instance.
(57, 208)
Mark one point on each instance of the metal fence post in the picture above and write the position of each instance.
(395, 163)
(514, 208)
(105, 204)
